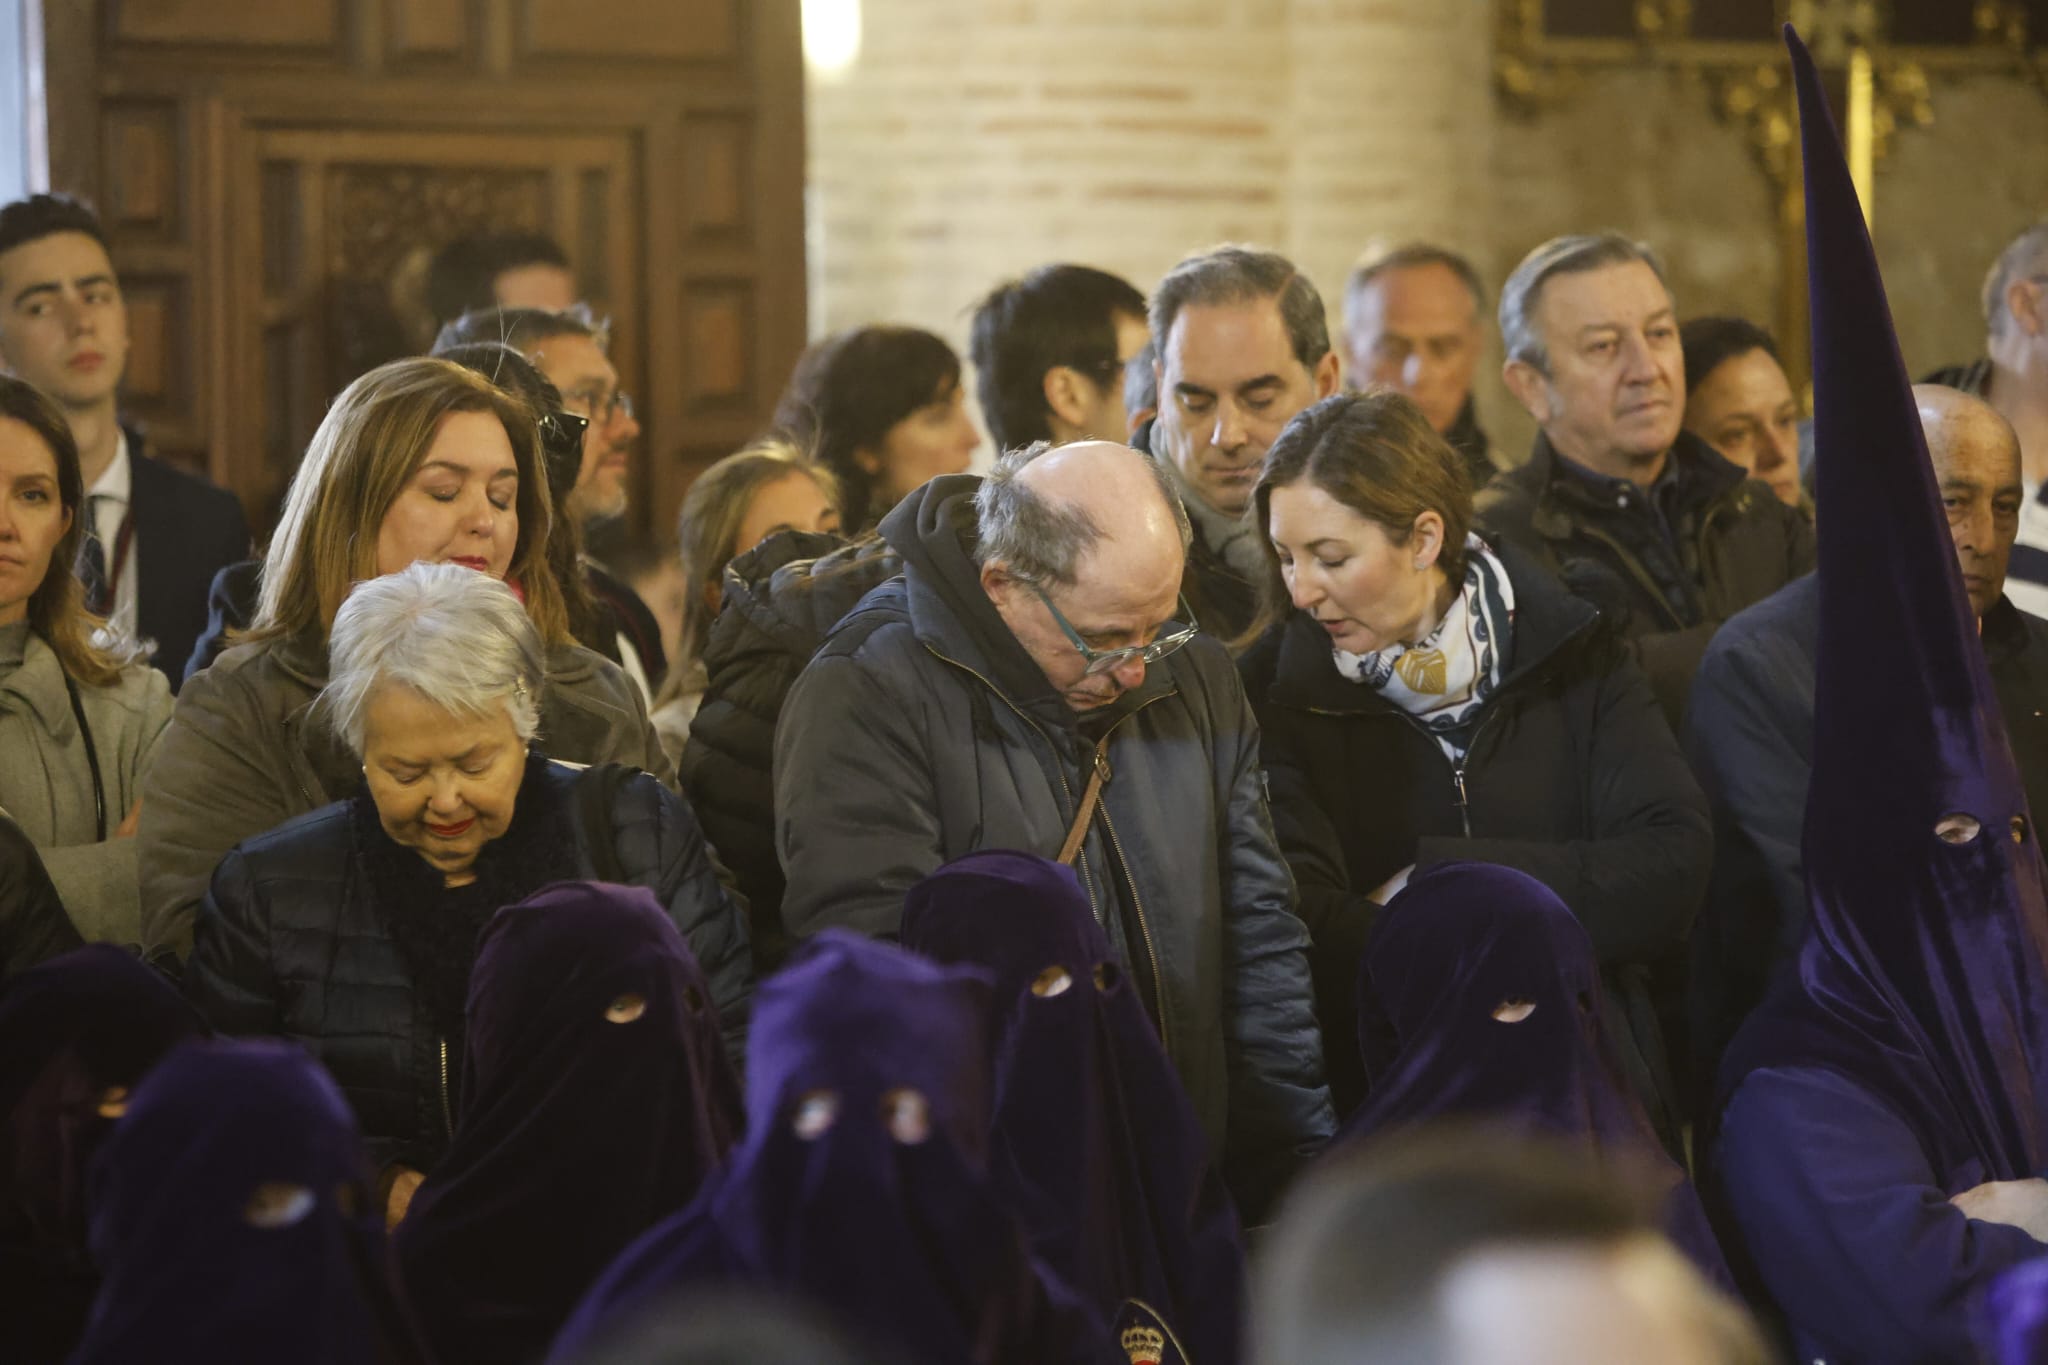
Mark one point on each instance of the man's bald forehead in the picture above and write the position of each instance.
(1105, 481)
(1953, 419)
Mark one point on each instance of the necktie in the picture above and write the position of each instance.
(92, 561)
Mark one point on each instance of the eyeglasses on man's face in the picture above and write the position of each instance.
(1171, 636)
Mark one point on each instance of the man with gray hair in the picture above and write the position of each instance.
(2013, 378)
(1243, 346)
(1035, 681)
(1639, 514)
(1414, 321)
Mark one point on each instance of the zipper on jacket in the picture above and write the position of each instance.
(447, 1114)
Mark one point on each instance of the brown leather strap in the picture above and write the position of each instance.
(1077, 834)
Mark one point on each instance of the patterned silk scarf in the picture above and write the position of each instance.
(1443, 678)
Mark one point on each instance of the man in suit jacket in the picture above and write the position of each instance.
(155, 535)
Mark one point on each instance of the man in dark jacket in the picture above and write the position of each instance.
(1750, 730)
(154, 535)
(1243, 346)
(1677, 537)
(781, 600)
(1024, 685)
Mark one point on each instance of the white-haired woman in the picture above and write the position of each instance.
(352, 929)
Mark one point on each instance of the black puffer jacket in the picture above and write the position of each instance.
(1572, 776)
(923, 731)
(292, 942)
(781, 601)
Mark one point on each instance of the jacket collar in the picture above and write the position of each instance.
(1559, 490)
(1547, 618)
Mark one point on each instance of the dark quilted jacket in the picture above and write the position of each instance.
(781, 601)
(288, 943)
(923, 731)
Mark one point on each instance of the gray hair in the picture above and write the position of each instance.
(1038, 539)
(1412, 256)
(1522, 295)
(455, 636)
(1240, 274)
(2018, 261)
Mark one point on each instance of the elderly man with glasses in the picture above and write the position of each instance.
(1034, 681)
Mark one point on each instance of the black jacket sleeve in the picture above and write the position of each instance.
(1280, 1111)
(33, 925)
(727, 772)
(229, 976)
(661, 846)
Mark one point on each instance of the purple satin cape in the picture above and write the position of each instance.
(1919, 993)
(862, 1184)
(233, 1218)
(1095, 1142)
(72, 1030)
(1461, 941)
(597, 1096)
(2013, 1325)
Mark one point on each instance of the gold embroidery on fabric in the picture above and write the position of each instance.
(1423, 670)
(1144, 1345)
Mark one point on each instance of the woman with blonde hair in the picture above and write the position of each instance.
(79, 715)
(418, 460)
(762, 490)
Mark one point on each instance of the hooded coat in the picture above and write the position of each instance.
(863, 1185)
(596, 1098)
(1899, 1061)
(77, 1033)
(1094, 1141)
(924, 731)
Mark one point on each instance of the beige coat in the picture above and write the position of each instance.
(245, 753)
(46, 782)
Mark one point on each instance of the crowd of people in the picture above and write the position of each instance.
(1260, 873)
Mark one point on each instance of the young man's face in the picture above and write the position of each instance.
(63, 325)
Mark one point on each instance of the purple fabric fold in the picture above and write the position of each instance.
(596, 1098)
(1095, 1142)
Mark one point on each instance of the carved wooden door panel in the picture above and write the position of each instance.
(275, 177)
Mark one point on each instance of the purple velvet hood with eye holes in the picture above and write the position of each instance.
(1095, 1142)
(880, 1209)
(1921, 978)
(70, 1030)
(232, 1218)
(597, 1097)
(1461, 941)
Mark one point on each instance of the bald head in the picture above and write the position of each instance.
(1085, 540)
(1976, 458)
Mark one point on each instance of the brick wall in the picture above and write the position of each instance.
(977, 138)
(974, 139)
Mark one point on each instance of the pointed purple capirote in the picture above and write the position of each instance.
(1452, 963)
(1899, 1064)
(1095, 1142)
(76, 1034)
(232, 1217)
(597, 1097)
(862, 1184)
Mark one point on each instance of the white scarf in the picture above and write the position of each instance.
(1443, 678)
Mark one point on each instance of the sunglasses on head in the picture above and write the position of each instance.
(561, 443)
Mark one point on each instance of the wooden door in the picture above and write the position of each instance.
(275, 177)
